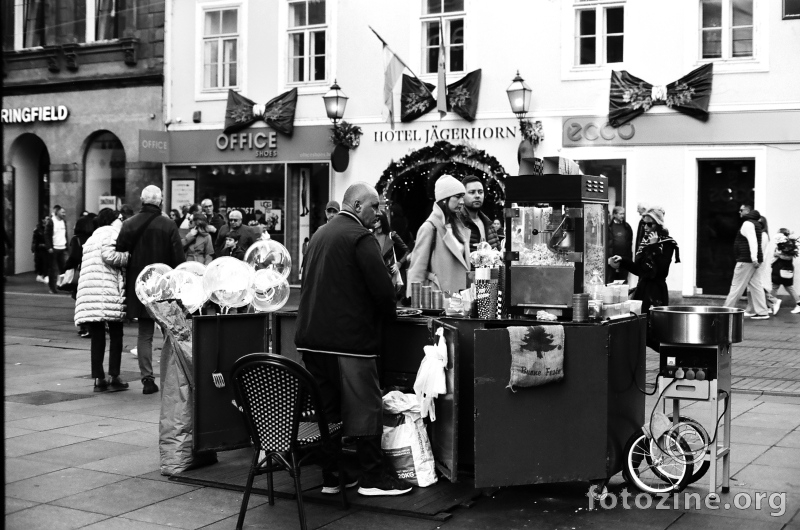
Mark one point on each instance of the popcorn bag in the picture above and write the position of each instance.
(405, 440)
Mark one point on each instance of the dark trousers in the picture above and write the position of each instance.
(58, 263)
(351, 393)
(98, 331)
(41, 262)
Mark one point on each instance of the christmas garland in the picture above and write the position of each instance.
(458, 160)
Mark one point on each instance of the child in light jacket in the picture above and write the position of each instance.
(197, 244)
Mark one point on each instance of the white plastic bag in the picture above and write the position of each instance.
(405, 441)
(431, 381)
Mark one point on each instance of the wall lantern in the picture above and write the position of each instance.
(335, 103)
(519, 96)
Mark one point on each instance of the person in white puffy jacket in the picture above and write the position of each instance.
(100, 300)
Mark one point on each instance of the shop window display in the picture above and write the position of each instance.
(104, 167)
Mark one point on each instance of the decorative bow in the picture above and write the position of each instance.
(630, 96)
(462, 97)
(241, 113)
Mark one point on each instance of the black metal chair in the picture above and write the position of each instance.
(286, 421)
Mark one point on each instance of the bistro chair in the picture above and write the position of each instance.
(285, 419)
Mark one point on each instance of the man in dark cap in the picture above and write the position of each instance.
(331, 209)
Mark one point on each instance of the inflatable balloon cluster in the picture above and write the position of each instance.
(261, 280)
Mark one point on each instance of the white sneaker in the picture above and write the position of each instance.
(776, 305)
(41, 279)
(749, 314)
(135, 353)
(796, 309)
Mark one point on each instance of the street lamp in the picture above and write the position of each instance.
(335, 103)
(519, 96)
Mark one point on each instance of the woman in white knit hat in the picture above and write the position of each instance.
(651, 262)
(441, 254)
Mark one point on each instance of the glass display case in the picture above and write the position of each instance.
(558, 226)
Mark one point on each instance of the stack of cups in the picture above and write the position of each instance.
(425, 301)
(437, 299)
(415, 294)
(580, 307)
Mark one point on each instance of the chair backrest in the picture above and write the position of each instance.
(275, 394)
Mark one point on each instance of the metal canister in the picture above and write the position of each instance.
(580, 307)
(425, 300)
(415, 294)
(437, 299)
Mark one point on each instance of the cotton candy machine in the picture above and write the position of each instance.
(695, 364)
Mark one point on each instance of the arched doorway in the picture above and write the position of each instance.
(104, 171)
(27, 197)
(407, 185)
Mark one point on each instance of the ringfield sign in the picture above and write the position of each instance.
(32, 114)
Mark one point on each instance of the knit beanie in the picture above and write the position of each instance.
(657, 213)
(447, 186)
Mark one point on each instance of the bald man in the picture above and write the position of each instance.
(150, 238)
(347, 294)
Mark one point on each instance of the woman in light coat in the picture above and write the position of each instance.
(101, 298)
(441, 254)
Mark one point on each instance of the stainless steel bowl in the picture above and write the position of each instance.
(696, 324)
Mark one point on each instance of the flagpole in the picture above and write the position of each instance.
(401, 61)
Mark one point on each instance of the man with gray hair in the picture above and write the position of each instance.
(150, 238)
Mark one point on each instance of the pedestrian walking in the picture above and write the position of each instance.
(331, 209)
(346, 296)
(56, 238)
(39, 249)
(100, 300)
(84, 228)
(782, 268)
(749, 257)
(441, 253)
(150, 238)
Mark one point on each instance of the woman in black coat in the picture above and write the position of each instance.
(393, 249)
(651, 263)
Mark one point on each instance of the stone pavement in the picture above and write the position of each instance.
(76, 459)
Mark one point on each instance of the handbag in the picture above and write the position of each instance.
(68, 281)
(786, 273)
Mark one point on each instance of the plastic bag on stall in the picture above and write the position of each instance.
(431, 380)
(405, 440)
(175, 426)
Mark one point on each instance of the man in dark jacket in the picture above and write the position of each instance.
(347, 293)
(150, 238)
(233, 239)
(215, 220)
(749, 257)
(480, 226)
(620, 243)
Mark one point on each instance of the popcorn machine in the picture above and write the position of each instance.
(555, 238)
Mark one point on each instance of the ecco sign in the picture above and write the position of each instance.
(585, 132)
(31, 114)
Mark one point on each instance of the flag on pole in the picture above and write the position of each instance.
(441, 94)
(392, 69)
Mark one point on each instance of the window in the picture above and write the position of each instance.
(220, 48)
(31, 23)
(443, 17)
(599, 34)
(307, 41)
(726, 29)
(791, 9)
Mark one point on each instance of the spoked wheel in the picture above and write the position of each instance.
(662, 467)
(696, 437)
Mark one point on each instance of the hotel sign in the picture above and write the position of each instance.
(434, 133)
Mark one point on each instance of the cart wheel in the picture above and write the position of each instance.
(598, 491)
(696, 437)
(657, 468)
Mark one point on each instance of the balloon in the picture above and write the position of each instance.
(269, 254)
(149, 287)
(186, 287)
(227, 282)
(195, 267)
(270, 290)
